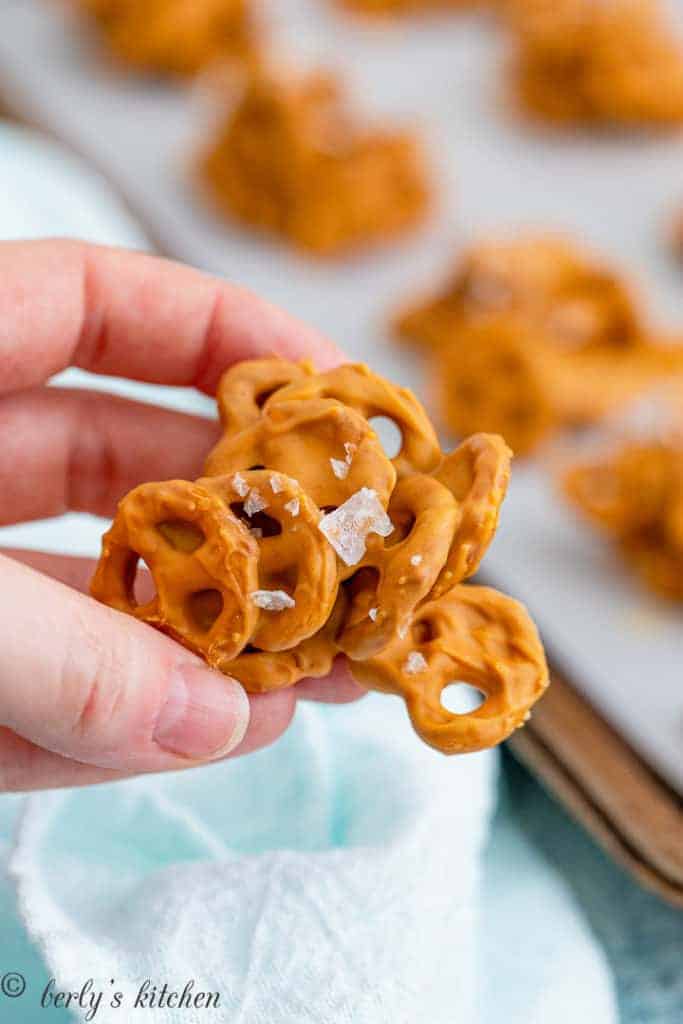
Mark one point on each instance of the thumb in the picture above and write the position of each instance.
(97, 686)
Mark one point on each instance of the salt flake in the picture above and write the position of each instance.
(415, 663)
(415, 559)
(348, 526)
(240, 485)
(254, 502)
(275, 484)
(373, 614)
(350, 448)
(293, 507)
(272, 600)
(339, 468)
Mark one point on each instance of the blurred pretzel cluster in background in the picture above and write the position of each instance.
(631, 488)
(305, 540)
(533, 334)
(291, 157)
(609, 63)
(174, 37)
(296, 161)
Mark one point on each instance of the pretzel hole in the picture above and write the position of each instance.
(181, 535)
(461, 698)
(389, 433)
(468, 391)
(423, 632)
(262, 397)
(366, 580)
(284, 579)
(139, 580)
(203, 608)
(509, 363)
(403, 526)
(269, 526)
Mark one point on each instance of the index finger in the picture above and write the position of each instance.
(111, 311)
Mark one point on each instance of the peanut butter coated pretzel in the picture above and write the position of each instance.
(303, 541)
(614, 63)
(393, 7)
(475, 635)
(203, 560)
(173, 37)
(635, 495)
(533, 335)
(293, 160)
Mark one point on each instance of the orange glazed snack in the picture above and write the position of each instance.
(384, 7)
(304, 541)
(635, 494)
(604, 63)
(173, 37)
(532, 335)
(293, 161)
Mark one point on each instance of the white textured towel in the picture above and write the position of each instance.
(331, 878)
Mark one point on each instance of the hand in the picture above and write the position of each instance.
(88, 694)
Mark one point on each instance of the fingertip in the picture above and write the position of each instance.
(271, 714)
(339, 687)
(205, 714)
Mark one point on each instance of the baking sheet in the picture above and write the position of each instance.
(623, 649)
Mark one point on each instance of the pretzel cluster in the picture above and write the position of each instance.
(391, 7)
(174, 37)
(533, 335)
(293, 160)
(608, 63)
(635, 494)
(304, 540)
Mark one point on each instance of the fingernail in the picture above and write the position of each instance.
(205, 716)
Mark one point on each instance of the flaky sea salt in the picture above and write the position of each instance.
(415, 559)
(402, 632)
(293, 507)
(350, 448)
(339, 468)
(240, 485)
(348, 526)
(275, 484)
(373, 614)
(254, 502)
(414, 663)
(272, 600)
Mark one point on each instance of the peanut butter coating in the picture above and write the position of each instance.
(304, 541)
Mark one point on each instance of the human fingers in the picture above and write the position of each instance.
(112, 311)
(339, 687)
(82, 450)
(91, 684)
(24, 766)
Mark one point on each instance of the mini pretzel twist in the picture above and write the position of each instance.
(300, 439)
(293, 556)
(203, 561)
(473, 635)
(304, 540)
